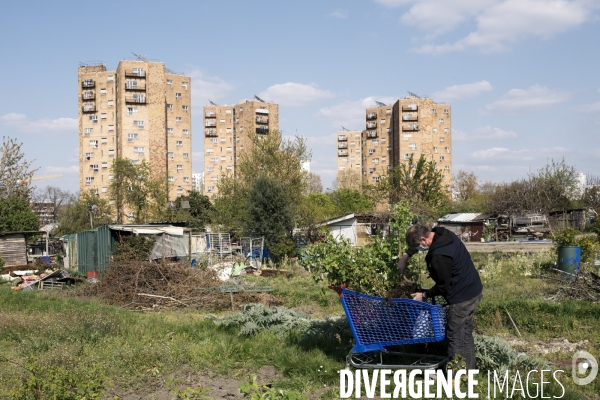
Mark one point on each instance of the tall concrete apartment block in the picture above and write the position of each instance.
(349, 151)
(140, 111)
(411, 126)
(227, 133)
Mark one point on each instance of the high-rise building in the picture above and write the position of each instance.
(140, 111)
(227, 132)
(198, 182)
(411, 126)
(350, 160)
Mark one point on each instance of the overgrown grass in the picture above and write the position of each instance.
(64, 339)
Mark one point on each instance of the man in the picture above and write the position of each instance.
(456, 279)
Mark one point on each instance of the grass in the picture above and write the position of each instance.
(51, 338)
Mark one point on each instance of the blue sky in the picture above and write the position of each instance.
(522, 76)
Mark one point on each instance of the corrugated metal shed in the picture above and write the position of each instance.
(94, 249)
(459, 217)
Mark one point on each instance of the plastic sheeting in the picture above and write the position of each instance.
(170, 246)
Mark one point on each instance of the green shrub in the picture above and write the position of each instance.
(589, 245)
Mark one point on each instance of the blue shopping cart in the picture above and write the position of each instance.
(379, 324)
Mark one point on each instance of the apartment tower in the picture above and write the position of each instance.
(227, 133)
(350, 158)
(140, 111)
(411, 126)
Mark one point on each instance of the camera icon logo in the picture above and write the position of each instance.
(579, 369)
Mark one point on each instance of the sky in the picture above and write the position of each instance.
(522, 76)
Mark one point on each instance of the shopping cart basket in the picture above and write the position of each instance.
(379, 324)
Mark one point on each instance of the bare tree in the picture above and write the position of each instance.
(15, 172)
(50, 203)
(466, 186)
(314, 183)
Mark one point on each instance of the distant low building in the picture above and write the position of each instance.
(358, 227)
(468, 226)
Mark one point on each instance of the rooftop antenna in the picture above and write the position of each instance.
(380, 104)
(344, 129)
(212, 103)
(259, 99)
(142, 58)
(414, 95)
(170, 71)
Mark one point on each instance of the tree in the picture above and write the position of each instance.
(348, 200)
(200, 212)
(420, 183)
(314, 183)
(76, 217)
(591, 198)
(16, 215)
(466, 186)
(270, 215)
(53, 199)
(15, 171)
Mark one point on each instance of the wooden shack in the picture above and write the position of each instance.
(13, 247)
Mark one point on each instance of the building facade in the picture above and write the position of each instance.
(227, 134)
(140, 111)
(350, 158)
(198, 182)
(412, 126)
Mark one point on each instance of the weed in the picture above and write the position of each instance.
(253, 391)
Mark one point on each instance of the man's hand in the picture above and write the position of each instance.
(402, 263)
(417, 296)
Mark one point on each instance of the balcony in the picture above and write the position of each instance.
(88, 84)
(262, 111)
(371, 134)
(136, 74)
(410, 107)
(371, 125)
(410, 127)
(86, 97)
(342, 153)
(210, 114)
(342, 138)
(342, 145)
(410, 117)
(135, 87)
(371, 115)
(262, 130)
(91, 109)
(135, 100)
(210, 122)
(262, 120)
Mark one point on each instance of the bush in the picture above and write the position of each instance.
(572, 237)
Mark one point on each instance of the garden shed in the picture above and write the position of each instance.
(13, 247)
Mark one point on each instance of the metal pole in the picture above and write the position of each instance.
(91, 221)
(47, 233)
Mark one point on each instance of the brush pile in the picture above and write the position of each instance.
(148, 285)
(583, 286)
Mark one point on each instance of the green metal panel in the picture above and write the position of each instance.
(71, 249)
(94, 249)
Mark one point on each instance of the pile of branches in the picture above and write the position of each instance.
(148, 285)
(583, 286)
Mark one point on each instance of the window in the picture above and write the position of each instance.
(446, 130)
(441, 158)
(170, 107)
(178, 120)
(111, 177)
(383, 140)
(227, 111)
(351, 143)
(223, 158)
(111, 127)
(89, 130)
(110, 78)
(434, 130)
(138, 71)
(111, 153)
(185, 108)
(214, 160)
(435, 149)
(186, 132)
(407, 136)
(177, 96)
(447, 149)
(441, 120)
(434, 111)
(376, 179)
(383, 159)
(94, 144)
(139, 124)
(185, 85)
(210, 188)
(208, 151)
(228, 130)
(210, 169)
(441, 139)
(131, 110)
(111, 103)
(104, 140)
(371, 170)
(229, 168)
(170, 155)
(170, 82)
(376, 161)
(447, 168)
(179, 143)
(214, 141)
(171, 179)
(388, 111)
(186, 155)
(446, 111)
(342, 167)
(407, 156)
(389, 149)
(88, 156)
(383, 122)
(89, 180)
(186, 178)
(104, 189)
(375, 142)
(104, 165)
(179, 167)
(371, 152)
(102, 91)
(413, 146)
(103, 116)
(131, 137)
(222, 121)
(139, 150)
(229, 149)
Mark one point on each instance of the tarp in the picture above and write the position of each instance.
(147, 230)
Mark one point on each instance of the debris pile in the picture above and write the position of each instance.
(584, 285)
(148, 285)
(32, 279)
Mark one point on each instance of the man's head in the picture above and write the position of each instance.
(419, 235)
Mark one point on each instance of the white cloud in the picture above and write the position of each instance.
(465, 91)
(338, 14)
(483, 133)
(523, 100)
(294, 94)
(591, 108)
(502, 153)
(21, 123)
(500, 23)
(351, 114)
(205, 88)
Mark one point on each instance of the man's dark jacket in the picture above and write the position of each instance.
(450, 266)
